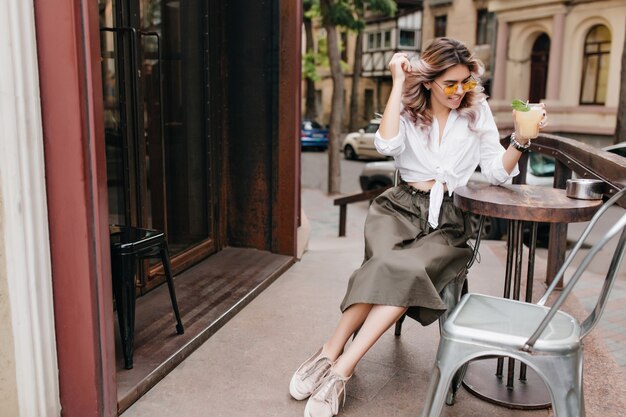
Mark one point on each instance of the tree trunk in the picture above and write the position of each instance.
(356, 78)
(620, 126)
(336, 109)
(310, 109)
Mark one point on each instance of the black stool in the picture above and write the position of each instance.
(128, 245)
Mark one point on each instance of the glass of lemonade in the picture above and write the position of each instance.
(529, 122)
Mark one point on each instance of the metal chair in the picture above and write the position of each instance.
(450, 295)
(128, 246)
(544, 338)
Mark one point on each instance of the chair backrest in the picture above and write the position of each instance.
(618, 228)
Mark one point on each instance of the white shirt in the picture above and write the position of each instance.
(420, 157)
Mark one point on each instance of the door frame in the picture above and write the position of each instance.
(72, 114)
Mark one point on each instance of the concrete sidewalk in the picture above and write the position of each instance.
(244, 369)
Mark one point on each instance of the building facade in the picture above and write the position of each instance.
(565, 53)
(382, 37)
(137, 113)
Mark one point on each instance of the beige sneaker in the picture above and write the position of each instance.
(325, 400)
(309, 375)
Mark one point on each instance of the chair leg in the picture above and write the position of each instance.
(457, 381)
(567, 391)
(451, 295)
(398, 330)
(437, 390)
(165, 258)
(123, 271)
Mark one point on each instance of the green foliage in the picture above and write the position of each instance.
(311, 9)
(309, 68)
(313, 60)
(350, 14)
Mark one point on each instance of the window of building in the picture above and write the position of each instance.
(595, 65)
(387, 40)
(441, 23)
(344, 46)
(378, 40)
(407, 38)
(485, 26)
(371, 40)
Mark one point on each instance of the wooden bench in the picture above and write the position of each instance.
(343, 202)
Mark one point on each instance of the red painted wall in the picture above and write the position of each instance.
(69, 71)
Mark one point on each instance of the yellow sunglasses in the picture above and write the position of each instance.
(451, 89)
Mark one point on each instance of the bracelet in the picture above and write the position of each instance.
(518, 146)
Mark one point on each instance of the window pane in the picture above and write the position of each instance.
(371, 128)
(407, 38)
(589, 79)
(441, 23)
(481, 27)
(602, 78)
(370, 41)
(599, 33)
(485, 27)
(596, 65)
(387, 39)
(379, 40)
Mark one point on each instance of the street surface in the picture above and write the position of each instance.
(315, 172)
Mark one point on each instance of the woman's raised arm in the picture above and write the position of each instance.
(390, 124)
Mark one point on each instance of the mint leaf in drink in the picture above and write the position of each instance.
(519, 105)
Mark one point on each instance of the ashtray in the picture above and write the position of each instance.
(584, 189)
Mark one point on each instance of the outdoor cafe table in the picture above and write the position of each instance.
(517, 203)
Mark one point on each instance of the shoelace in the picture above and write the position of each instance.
(317, 366)
(329, 391)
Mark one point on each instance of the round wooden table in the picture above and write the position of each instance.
(517, 203)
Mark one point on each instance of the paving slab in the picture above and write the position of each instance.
(244, 369)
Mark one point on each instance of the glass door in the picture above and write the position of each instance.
(159, 152)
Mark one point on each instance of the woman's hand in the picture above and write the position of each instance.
(399, 66)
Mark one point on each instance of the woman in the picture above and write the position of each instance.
(438, 127)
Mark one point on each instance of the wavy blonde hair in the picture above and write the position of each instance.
(439, 56)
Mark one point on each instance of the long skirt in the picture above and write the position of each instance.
(407, 263)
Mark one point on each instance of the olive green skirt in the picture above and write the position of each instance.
(407, 263)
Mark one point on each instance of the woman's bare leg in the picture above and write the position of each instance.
(351, 319)
(379, 319)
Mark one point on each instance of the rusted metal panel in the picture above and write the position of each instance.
(286, 177)
(261, 194)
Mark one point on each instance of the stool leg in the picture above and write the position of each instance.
(165, 258)
(124, 269)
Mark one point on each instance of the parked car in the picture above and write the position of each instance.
(380, 174)
(617, 149)
(313, 135)
(360, 144)
(540, 172)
